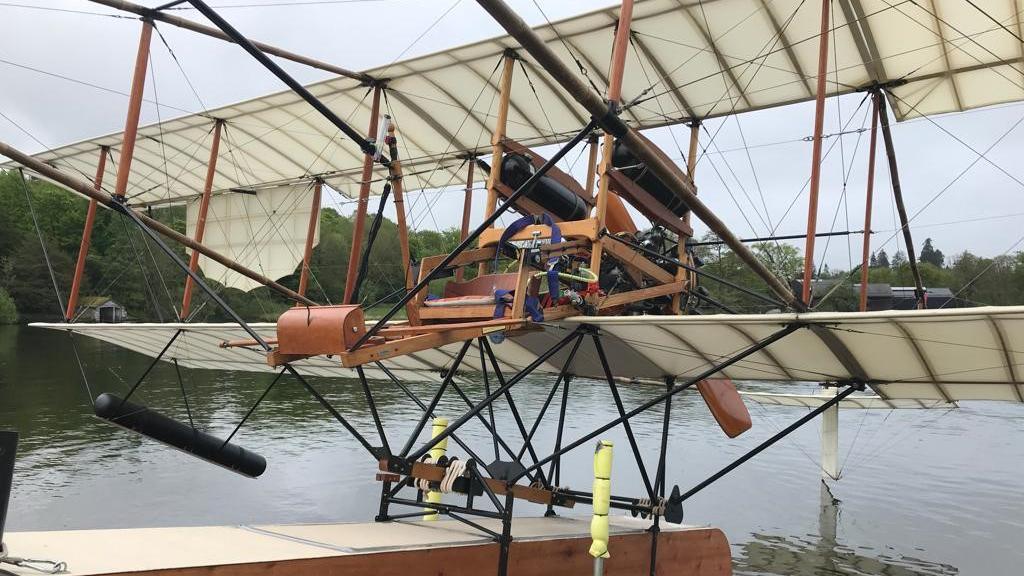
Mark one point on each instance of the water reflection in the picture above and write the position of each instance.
(939, 486)
(823, 554)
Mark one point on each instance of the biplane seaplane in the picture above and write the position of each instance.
(594, 279)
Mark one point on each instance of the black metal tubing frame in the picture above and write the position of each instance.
(131, 215)
(656, 502)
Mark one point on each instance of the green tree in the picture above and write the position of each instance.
(883, 259)
(932, 256)
(8, 310)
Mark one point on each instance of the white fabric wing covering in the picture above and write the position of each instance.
(263, 230)
(687, 59)
(914, 358)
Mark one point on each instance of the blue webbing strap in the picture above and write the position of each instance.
(531, 303)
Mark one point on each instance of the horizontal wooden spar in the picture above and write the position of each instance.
(86, 189)
(180, 22)
(435, 473)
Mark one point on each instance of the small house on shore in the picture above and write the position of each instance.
(100, 309)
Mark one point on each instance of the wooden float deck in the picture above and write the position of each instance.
(555, 545)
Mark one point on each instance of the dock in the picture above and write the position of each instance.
(554, 545)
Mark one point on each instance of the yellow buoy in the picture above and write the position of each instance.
(602, 497)
(436, 452)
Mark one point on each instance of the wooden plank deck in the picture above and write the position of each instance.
(554, 545)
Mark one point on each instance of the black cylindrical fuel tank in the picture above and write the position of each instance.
(631, 167)
(178, 435)
(547, 193)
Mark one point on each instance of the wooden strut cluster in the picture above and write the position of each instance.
(430, 327)
(585, 236)
(310, 329)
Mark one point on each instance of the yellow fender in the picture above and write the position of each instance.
(602, 496)
(436, 452)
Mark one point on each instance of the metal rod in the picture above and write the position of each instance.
(487, 489)
(337, 415)
(83, 248)
(131, 123)
(137, 219)
(445, 508)
(897, 191)
(204, 207)
(662, 168)
(487, 223)
(659, 481)
(472, 524)
(276, 70)
(622, 412)
(148, 369)
(512, 405)
(416, 400)
(433, 404)
(868, 202)
(542, 358)
(819, 123)
(314, 221)
(555, 470)
(774, 238)
(713, 302)
(364, 259)
(753, 349)
(764, 445)
(564, 373)
(363, 201)
(697, 271)
(487, 426)
(252, 409)
(373, 410)
(155, 14)
(86, 189)
(505, 543)
(490, 407)
(659, 477)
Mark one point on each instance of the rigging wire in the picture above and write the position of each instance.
(177, 62)
(64, 10)
(451, 141)
(968, 37)
(572, 54)
(1000, 24)
(700, 50)
(142, 269)
(42, 242)
(765, 56)
(983, 272)
(83, 83)
(762, 56)
(980, 156)
(279, 4)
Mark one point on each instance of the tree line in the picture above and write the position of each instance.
(130, 269)
(975, 280)
(127, 267)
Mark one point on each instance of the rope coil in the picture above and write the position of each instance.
(455, 469)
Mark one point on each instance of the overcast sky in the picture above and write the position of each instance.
(360, 34)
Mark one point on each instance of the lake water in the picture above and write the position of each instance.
(923, 492)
